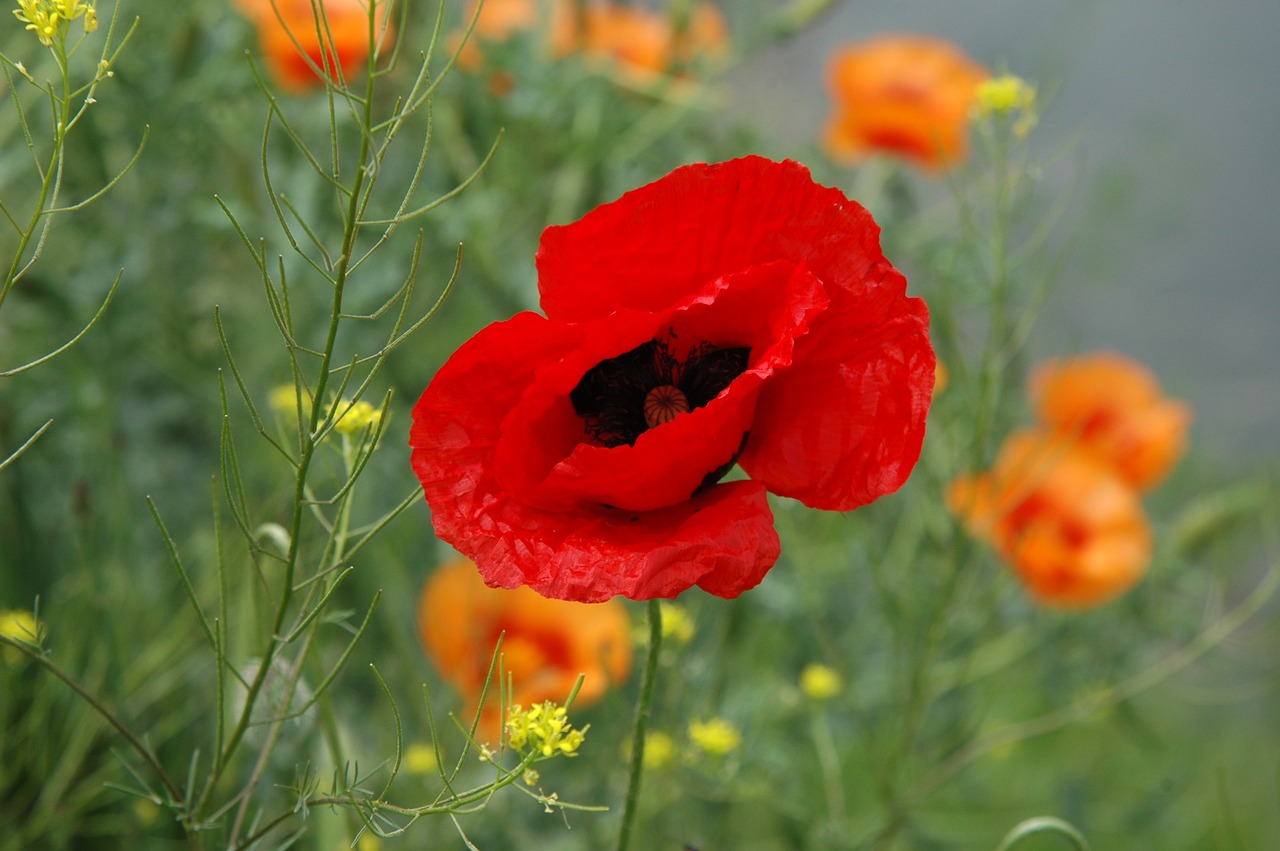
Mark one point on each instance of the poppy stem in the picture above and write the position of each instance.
(643, 706)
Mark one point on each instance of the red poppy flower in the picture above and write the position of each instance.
(729, 313)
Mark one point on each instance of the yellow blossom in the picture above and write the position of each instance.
(676, 623)
(283, 399)
(48, 18)
(659, 750)
(420, 758)
(531, 777)
(818, 682)
(145, 810)
(359, 416)
(716, 737)
(1009, 95)
(20, 625)
(545, 728)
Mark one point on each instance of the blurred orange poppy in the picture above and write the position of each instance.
(1073, 530)
(1113, 407)
(546, 645)
(291, 38)
(643, 44)
(906, 95)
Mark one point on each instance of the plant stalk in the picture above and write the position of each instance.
(643, 707)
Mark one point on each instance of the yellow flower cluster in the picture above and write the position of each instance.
(819, 682)
(659, 750)
(283, 399)
(545, 728)
(420, 758)
(21, 626)
(676, 623)
(717, 737)
(358, 417)
(1006, 95)
(48, 18)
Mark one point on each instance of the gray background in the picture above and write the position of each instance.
(1171, 111)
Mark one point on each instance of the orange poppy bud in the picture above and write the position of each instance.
(1113, 407)
(292, 42)
(546, 645)
(1072, 529)
(906, 95)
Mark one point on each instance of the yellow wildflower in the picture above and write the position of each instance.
(48, 18)
(1009, 95)
(20, 625)
(545, 728)
(818, 682)
(717, 737)
(659, 750)
(359, 416)
(39, 18)
(676, 623)
(283, 400)
(420, 758)
(145, 810)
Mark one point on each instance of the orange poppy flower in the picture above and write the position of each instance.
(292, 42)
(1113, 407)
(906, 95)
(1073, 530)
(546, 645)
(642, 43)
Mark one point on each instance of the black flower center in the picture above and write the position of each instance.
(620, 398)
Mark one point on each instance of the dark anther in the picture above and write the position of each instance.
(620, 398)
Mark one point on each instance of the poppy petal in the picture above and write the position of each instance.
(457, 419)
(723, 537)
(844, 425)
(542, 456)
(663, 242)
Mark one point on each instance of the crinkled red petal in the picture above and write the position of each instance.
(542, 457)
(662, 242)
(844, 425)
(722, 538)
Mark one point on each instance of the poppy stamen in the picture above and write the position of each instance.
(662, 404)
(622, 397)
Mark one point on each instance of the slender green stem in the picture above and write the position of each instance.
(1044, 824)
(51, 179)
(310, 439)
(829, 763)
(643, 706)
